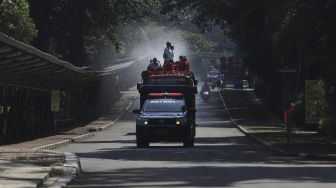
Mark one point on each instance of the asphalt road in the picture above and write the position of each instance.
(222, 157)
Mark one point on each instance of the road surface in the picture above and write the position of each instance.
(222, 157)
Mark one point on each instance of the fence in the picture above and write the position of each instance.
(27, 78)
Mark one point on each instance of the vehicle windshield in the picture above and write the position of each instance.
(164, 105)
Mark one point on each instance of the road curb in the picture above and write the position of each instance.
(43, 180)
(87, 135)
(275, 149)
(241, 129)
(64, 142)
(104, 127)
(82, 137)
(53, 145)
(71, 168)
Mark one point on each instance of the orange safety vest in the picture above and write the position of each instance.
(168, 66)
(183, 66)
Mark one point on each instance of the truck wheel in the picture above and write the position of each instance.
(189, 140)
(194, 131)
(141, 143)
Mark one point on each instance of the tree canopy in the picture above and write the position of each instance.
(196, 42)
(74, 29)
(15, 20)
(273, 34)
(296, 34)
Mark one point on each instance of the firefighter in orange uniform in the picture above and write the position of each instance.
(169, 66)
(183, 64)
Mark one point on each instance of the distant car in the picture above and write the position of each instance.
(214, 78)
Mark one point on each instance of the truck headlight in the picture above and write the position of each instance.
(141, 121)
(180, 121)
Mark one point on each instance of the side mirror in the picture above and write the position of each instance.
(137, 111)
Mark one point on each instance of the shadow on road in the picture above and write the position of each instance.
(221, 157)
(204, 176)
(235, 149)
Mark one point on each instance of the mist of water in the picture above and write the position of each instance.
(151, 44)
(155, 43)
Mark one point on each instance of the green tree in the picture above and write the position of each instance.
(15, 20)
(196, 42)
(298, 34)
(76, 29)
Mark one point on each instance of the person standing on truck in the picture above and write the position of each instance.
(168, 54)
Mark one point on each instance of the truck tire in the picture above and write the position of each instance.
(141, 143)
(194, 131)
(189, 139)
(188, 142)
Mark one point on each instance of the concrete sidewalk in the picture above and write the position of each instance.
(84, 132)
(33, 164)
(18, 174)
(35, 168)
(249, 115)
